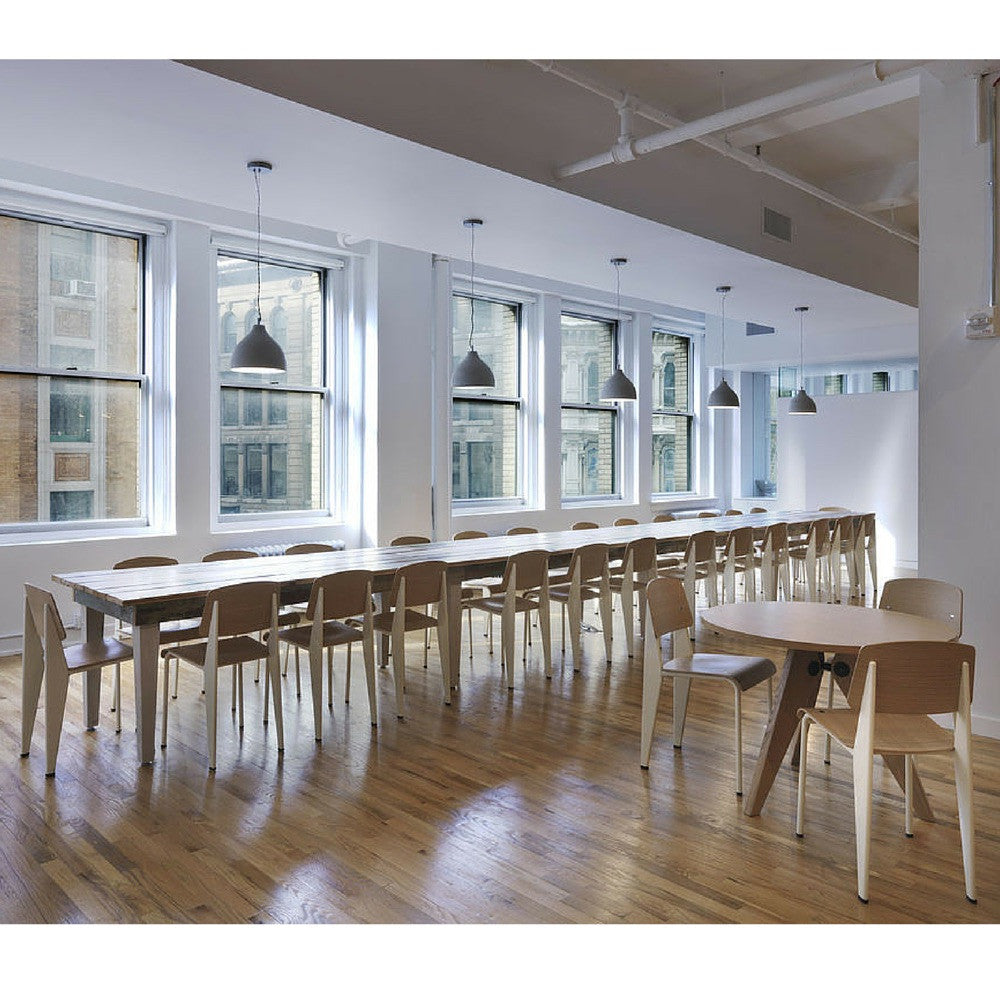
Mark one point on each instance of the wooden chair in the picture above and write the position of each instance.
(232, 614)
(523, 589)
(669, 615)
(410, 540)
(925, 597)
(584, 525)
(522, 530)
(224, 554)
(774, 563)
(621, 522)
(665, 516)
(758, 510)
(864, 545)
(417, 585)
(588, 580)
(474, 589)
(45, 658)
(699, 563)
(638, 568)
(333, 598)
(708, 513)
(812, 556)
(842, 550)
(738, 556)
(460, 536)
(734, 513)
(895, 688)
(834, 510)
(307, 548)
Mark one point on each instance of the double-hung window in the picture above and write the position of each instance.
(486, 424)
(73, 386)
(673, 418)
(590, 432)
(273, 428)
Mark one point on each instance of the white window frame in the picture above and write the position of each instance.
(154, 376)
(669, 327)
(334, 417)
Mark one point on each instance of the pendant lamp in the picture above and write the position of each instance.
(723, 396)
(472, 372)
(258, 352)
(618, 387)
(801, 402)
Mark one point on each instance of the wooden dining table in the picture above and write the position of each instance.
(808, 630)
(146, 598)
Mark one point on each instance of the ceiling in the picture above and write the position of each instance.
(519, 117)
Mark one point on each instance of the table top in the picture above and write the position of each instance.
(832, 628)
(176, 590)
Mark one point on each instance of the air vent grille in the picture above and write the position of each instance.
(758, 330)
(777, 225)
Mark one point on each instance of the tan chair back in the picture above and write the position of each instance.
(758, 510)
(798, 530)
(867, 526)
(927, 598)
(621, 522)
(819, 531)
(739, 542)
(844, 527)
(584, 525)
(708, 513)
(344, 594)
(423, 582)
(142, 562)
(243, 607)
(700, 547)
(461, 536)
(833, 508)
(668, 606)
(592, 561)
(410, 540)
(531, 569)
(522, 530)
(305, 548)
(225, 554)
(777, 536)
(665, 516)
(734, 513)
(643, 553)
(38, 601)
(913, 678)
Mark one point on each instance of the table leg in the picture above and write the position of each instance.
(796, 689)
(92, 678)
(145, 652)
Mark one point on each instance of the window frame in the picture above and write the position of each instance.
(152, 376)
(689, 413)
(333, 269)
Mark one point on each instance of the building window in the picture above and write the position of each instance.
(72, 375)
(673, 419)
(589, 458)
(833, 385)
(880, 381)
(759, 459)
(273, 427)
(486, 423)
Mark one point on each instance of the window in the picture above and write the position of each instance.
(589, 427)
(273, 426)
(673, 420)
(880, 381)
(486, 423)
(72, 377)
(759, 460)
(833, 385)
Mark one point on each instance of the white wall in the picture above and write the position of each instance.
(959, 379)
(857, 451)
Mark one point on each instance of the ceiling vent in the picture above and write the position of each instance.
(758, 329)
(777, 225)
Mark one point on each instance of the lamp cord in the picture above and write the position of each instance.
(472, 301)
(256, 181)
(802, 371)
(723, 365)
(618, 309)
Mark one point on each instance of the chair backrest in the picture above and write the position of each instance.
(665, 516)
(225, 554)
(37, 600)
(833, 508)
(776, 537)
(344, 594)
(584, 525)
(305, 548)
(530, 569)
(913, 678)
(708, 513)
(423, 582)
(621, 522)
(592, 561)
(758, 510)
(739, 542)
(867, 527)
(668, 605)
(243, 607)
(819, 533)
(797, 530)
(410, 540)
(843, 529)
(142, 562)
(643, 553)
(461, 536)
(927, 598)
(522, 530)
(734, 513)
(700, 547)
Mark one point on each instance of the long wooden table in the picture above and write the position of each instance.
(144, 598)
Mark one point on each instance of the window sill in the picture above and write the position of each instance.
(236, 524)
(474, 508)
(571, 503)
(73, 536)
(671, 501)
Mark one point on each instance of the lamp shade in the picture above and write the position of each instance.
(723, 397)
(617, 387)
(258, 352)
(473, 373)
(802, 403)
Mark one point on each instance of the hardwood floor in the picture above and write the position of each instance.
(527, 807)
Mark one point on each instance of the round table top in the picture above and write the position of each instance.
(832, 628)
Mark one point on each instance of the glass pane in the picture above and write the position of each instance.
(69, 298)
(787, 381)
(671, 454)
(833, 385)
(880, 381)
(496, 340)
(274, 464)
(70, 450)
(588, 452)
(291, 305)
(670, 372)
(483, 450)
(587, 356)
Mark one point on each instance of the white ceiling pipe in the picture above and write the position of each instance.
(757, 163)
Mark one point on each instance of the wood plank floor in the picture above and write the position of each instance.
(527, 807)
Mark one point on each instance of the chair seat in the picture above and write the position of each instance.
(669, 560)
(232, 649)
(183, 631)
(740, 564)
(412, 620)
(289, 618)
(334, 634)
(894, 734)
(87, 655)
(744, 671)
(560, 592)
(495, 604)
(678, 572)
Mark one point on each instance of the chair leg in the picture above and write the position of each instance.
(271, 667)
(770, 694)
(32, 675)
(862, 816)
(829, 704)
(211, 699)
(526, 642)
(316, 681)
(738, 708)
(298, 675)
(166, 702)
(508, 629)
(562, 608)
(177, 676)
(234, 693)
(238, 671)
(963, 791)
(399, 668)
(908, 794)
(347, 680)
(607, 622)
(682, 688)
(803, 748)
(368, 648)
(470, 634)
(574, 612)
(56, 686)
(118, 698)
(116, 688)
(545, 621)
(329, 675)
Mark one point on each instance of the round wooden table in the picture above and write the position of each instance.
(807, 630)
